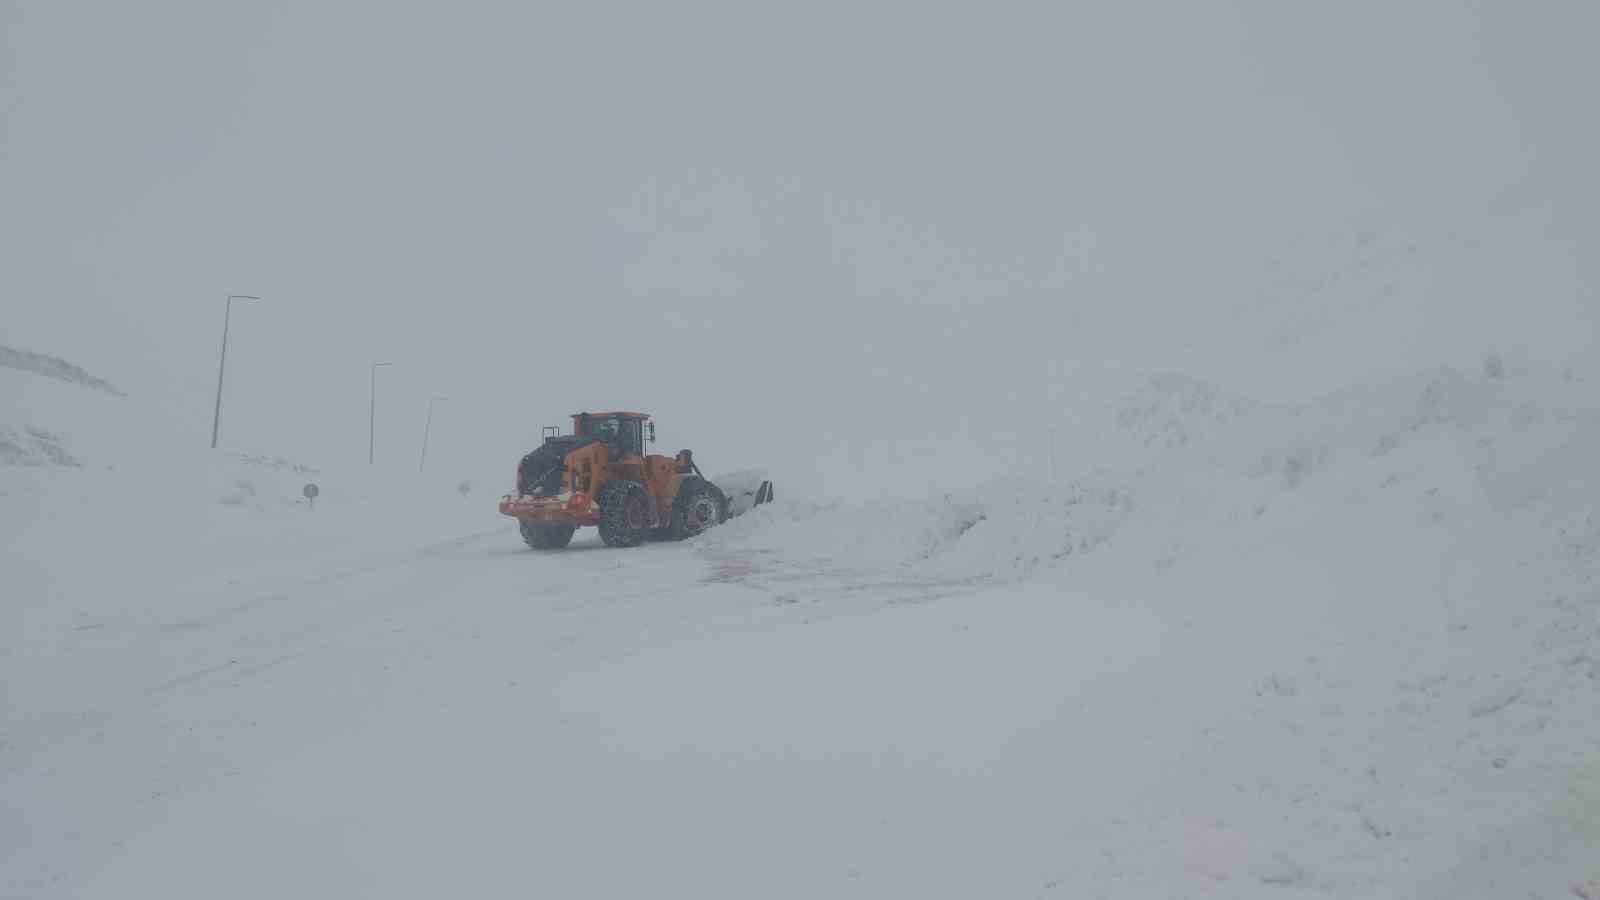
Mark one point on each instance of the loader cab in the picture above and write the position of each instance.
(624, 431)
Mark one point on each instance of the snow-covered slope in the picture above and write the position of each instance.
(111, 526)
(52, 367)
(1341, 648)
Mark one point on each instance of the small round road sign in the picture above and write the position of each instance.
(311, 491)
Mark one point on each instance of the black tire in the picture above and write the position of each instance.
(624, 513)
(546, 537)
(699, 506)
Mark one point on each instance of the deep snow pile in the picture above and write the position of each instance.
(1002, 531)
(1408, 561)
(1438, 736)
(1172, 410)
(32, 446)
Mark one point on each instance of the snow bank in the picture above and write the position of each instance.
(1407, 566)
(1001, 531)
(33, 446)
(1172, 410)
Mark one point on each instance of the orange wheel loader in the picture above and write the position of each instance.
(600, 475)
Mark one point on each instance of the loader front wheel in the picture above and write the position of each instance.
(546, 537)
(624, 513)
(698, 507)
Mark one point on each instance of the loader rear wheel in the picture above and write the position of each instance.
(698, 507)
(546, 537)
(624, 513)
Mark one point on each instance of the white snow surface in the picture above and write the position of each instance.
(1341, 647)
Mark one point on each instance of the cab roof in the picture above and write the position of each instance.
(620, 415)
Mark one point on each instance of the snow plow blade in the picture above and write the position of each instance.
(745, 490)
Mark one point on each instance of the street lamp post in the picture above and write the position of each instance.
(222, 365)
(427, 426)
(372, 413)
(1052, 454)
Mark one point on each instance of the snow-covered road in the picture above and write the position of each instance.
(475, 718)
(291, 660)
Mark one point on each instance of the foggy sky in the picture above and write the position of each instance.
(774, 225)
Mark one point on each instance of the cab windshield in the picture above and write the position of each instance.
(626, 434)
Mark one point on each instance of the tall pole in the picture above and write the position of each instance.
(222, 364)
(1052, 454)
(427, 426)
(372, 414)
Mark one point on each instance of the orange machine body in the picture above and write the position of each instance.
(588, 468)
